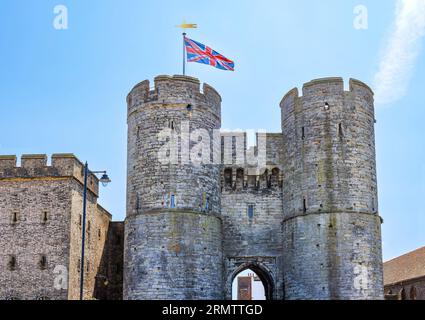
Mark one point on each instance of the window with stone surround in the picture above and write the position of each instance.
(14, 217)
(88, 229)
(172, 124)
(207, 204)
(44, 217)
(42, 263)
(172, 201)
(228, 178)
(12, 263)
(251, 209)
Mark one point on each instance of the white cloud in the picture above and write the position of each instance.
(401, 51)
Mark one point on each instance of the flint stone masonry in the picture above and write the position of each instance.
(305, 219)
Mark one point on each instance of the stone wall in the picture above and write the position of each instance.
(39, 216)
(413, 289)
(253, 242)
(330, 193)
(173, 237)
(109, 280)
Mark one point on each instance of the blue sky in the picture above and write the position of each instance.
(64, 90)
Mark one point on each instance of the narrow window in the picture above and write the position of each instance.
(228, 177)
(207, 204)
(304, 205)
(88, 266)
(250, 211)
(303, 133)
(43, 262)
(88, 229)
(99, 233)
(173, 201)
(12, 263)
(44, 217)
(14, 217)
(79, 221)
(79, 265)
(326, 106)
(340, 131)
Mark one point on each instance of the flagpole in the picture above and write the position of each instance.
(184, 54)
(185, 26)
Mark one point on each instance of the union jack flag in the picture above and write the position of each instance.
(198, 52)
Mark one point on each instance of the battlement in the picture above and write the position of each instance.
(173, 89)
(325, 89)
(235, 178)
(235, 149)
(34, 166)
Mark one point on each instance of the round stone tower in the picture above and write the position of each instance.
(332, 230)
(173, 231)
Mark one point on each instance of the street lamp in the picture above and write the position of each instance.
(104, 180)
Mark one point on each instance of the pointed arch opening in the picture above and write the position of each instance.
(252, 282)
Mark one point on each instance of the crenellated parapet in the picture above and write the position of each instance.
(235, 150)
(325, 91)
(34, 166)
(174, 90)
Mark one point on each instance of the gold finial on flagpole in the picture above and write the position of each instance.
(185, 26)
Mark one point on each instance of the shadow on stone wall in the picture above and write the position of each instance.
(109, 280)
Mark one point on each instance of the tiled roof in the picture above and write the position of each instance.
(408, 266)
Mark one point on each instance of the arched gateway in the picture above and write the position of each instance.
(261, 271)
